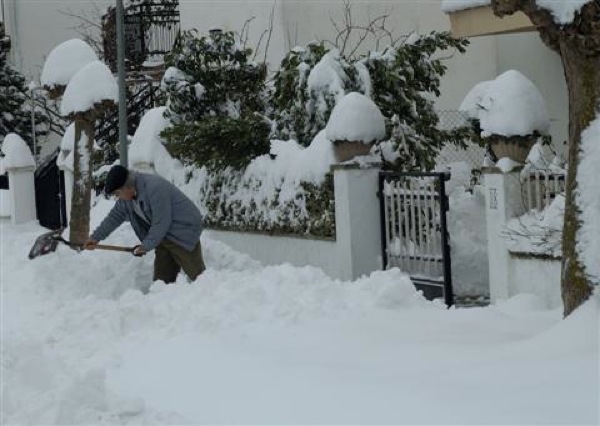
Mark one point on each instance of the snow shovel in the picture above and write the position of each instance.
(47, 243)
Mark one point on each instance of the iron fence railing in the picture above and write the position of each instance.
(414, 230)
(151, 29)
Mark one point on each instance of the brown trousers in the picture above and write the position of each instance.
(172, 258)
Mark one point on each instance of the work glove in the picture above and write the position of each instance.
(90, 244)
(138, 251)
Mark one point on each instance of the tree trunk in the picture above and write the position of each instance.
(82, 180)
(583, 80)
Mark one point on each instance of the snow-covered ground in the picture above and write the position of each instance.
(247, 344)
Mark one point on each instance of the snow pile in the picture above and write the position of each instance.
(542, 157)
(563, 10)
(91, 85)
(449, 6)
(16, 152)
(588, 200)
(467, 227)
(292, 164)
(355, 118)
(509, 105)
(147, 146)
(64, 61)
(285, 345)
(538, 232)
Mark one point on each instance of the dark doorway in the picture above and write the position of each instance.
(49, 194)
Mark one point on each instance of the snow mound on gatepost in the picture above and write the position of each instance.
(64, 61)
(510, 105)
(17, 153)
(588, 200)
(356, 118)
(91, 85)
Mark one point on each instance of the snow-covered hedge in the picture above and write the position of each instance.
(288, 191)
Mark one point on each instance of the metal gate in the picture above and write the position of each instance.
(414, 231)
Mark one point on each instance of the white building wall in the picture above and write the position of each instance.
(38, 26)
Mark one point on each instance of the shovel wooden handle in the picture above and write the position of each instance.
(114, 248)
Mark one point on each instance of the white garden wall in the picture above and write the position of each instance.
(537, 275)
(355, 252)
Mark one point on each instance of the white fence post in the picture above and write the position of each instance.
(503, 202)
(357, 219)
(22, 194)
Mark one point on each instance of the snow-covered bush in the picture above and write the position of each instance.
(290, 98)
(216, 101)
(402, 81)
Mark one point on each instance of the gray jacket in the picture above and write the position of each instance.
(169, 212)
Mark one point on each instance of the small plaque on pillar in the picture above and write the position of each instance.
(493, 199)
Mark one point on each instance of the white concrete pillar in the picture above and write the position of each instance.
(357, 220)
(22, 194)
(503, 201)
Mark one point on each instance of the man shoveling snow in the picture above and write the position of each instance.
(162, 217)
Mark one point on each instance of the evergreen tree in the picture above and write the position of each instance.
(15, 105)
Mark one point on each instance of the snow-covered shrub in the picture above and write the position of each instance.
(291, 96)
(217, 94)
(402, 81)
(288, 191)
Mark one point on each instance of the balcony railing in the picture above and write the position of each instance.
(151, 28)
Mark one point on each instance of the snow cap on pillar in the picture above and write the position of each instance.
(16, 152)
(63, 62)
(92, 87)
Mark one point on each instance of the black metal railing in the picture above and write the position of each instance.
(414, 230)
(141, 98)
(151, 28)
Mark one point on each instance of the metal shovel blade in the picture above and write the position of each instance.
(45, 243)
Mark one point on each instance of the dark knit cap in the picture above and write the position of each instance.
(116, 178)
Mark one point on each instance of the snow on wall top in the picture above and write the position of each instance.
(355, 118)
(510, 105)
(449, 6)
(563, 11)
(64, 61)
(588, 200)
(16, 152)
(92, 84)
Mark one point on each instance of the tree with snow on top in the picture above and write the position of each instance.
(572, 29)
(87, 88)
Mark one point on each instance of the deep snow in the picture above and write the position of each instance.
(273, 345)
